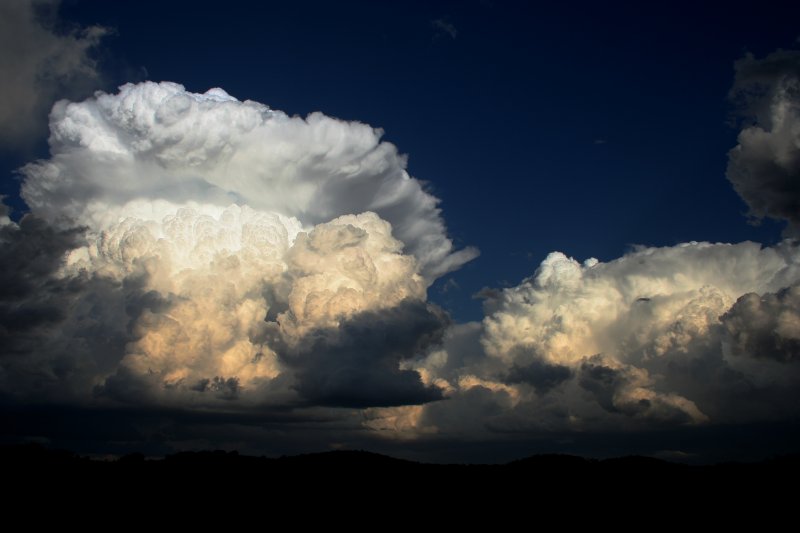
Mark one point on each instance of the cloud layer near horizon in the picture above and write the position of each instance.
(198, 253)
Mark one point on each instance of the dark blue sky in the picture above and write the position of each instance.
(580, 127)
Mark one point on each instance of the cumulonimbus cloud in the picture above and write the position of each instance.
(194, 251)
(232, 248)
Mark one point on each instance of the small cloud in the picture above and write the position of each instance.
(599, 141)
(444, 27)
(487, 293)
(449, 285)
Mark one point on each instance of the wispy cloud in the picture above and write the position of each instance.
(443, 27)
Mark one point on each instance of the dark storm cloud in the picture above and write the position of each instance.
(602, 381)
(30, 297)
(617, 391)
(226, 388)
(40, 62)
(764, 167)
(56, 333)
(539, 374)
(357, 364)
(766, 326)
(31, 252)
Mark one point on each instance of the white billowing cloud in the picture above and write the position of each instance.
(640, 317)
(37, 65)
(155, 147)
(692, 334)
(217, 296)
(568, 311)
(764, 167)
(205, 276)
(347, 266)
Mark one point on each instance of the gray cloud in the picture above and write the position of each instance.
(31, 252)
(766, 326)
(615, 390)
(57, 334)
(357, 365)
(764, 167)
(539, 375)
(39, 64)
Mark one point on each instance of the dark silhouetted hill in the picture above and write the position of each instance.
(540, 483)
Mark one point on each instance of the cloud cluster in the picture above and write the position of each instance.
(247, 309)
(200, 254)
(693, 334)
(764, 167)
(688, 335)
(38, 63)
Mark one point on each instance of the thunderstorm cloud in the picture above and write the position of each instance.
(200, 254)
(210, 244)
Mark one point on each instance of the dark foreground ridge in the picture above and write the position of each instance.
(36, 457)
(342, 487)
(375, 491)
(36, 464)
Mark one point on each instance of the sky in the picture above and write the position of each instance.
(447, 231)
